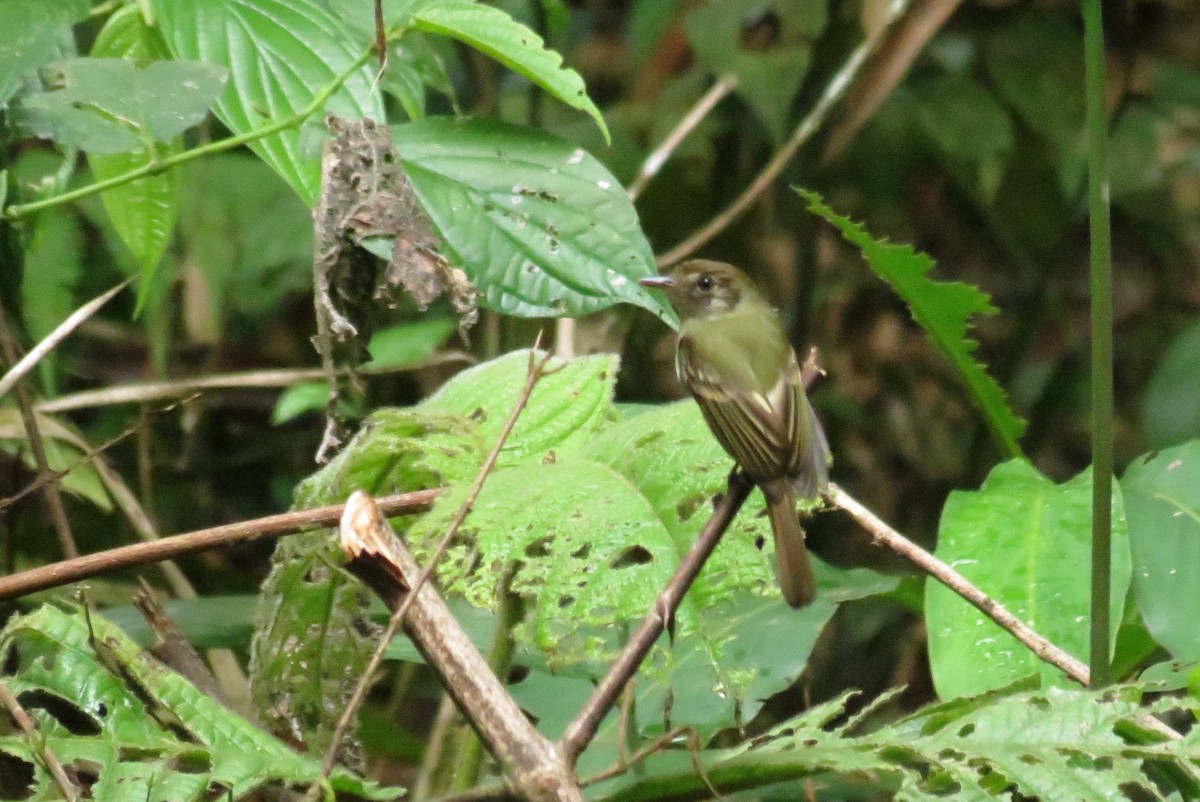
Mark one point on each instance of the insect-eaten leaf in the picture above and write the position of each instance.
(109, 105)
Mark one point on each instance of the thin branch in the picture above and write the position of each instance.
(885, 535)
(582, 729)
(60, 333)
(157, 165)
(32, 736)
(536, 371)
(89, 455)
(1044, 649)
(808, 126)
(144, 392)
(289, 523)
(658, 157)
(52, 493)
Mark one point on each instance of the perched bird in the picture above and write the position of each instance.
(735, 359)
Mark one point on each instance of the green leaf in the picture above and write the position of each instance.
(249, 260)
(568, 404)
(309, 648)
(1162, 504)
(1051, 745)
(109, 105)
(747, 644)
(583, 546)
(143, 211)
(53, 266)
(495, 33)
(280, 54)
(968, 125)
(768, 76)
(1026, 542)
(409, 343)
(298, 400)
(942, 308)
(1171, 406)
(147, 732)
(31, 35)
(540, 226)
(64, 451)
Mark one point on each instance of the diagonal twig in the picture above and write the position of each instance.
(658, 157)
(939, 570)
(69, 791)
(51, 493)
(537, 368)
(582, 728)
(60, 333)
(804, 131)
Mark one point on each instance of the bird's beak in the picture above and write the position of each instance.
(658, 282)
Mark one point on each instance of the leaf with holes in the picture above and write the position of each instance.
(110, 105)
(568, 404)
(280, 55)
(541, 227)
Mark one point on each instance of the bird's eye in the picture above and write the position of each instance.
(705, 283)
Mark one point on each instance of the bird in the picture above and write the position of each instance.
(736, 361)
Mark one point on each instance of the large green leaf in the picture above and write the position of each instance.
(53, 266)
(31, 35)
(583, 545)
(1026, 542)
(494, 32)
(942, 308)
(147, 732)
(1162, 504)
(110, 105)
(142, 211)
(309, 646)
(280, 54)
(540, 226)
(1171, 406)
(568, 404)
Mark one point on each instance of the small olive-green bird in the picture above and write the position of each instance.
(736, 361)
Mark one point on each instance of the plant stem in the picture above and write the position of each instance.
(156, 165)
(1102, 367)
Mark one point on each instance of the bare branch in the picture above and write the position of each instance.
(289, 523)
(885, 535)
(808, 126)
(144, 392)
(582, 729)
(52, 493)
(536, 370)
(60, 333)
(673, 140)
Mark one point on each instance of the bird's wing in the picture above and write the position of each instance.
(754, 427)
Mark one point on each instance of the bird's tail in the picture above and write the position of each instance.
(795, 572)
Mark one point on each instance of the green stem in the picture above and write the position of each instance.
(500, 658)
(158, 165)
(1102, 367)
